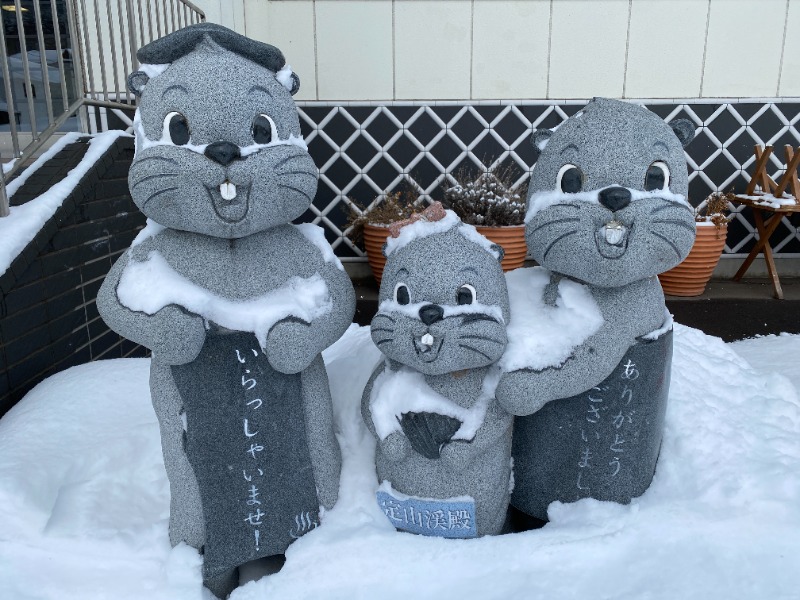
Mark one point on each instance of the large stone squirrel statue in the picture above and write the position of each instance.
(444, 445)
(234, 301)
(607, 212)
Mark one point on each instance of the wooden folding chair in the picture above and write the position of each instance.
(767, 200)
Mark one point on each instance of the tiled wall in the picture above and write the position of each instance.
(48, 317)
(528, 49)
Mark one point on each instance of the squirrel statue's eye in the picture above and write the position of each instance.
(264, 130)
(657, 177)
(178, 127)
(569, 179)
(466, 294)
(401, 295)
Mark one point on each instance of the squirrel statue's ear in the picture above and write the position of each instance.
(499, 250)
(684, 129)
(539, 141)
(136, 82)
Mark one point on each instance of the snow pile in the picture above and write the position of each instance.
(540, 335)
(20, 227)
(422, 228)
(397, 392)
(84, 501)
(150, 285)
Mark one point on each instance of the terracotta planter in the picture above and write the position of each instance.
(691, 276)
(512, 240)
(374, 239)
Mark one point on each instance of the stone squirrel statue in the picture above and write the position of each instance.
(444, 444)
(607, 212)
(234, 301)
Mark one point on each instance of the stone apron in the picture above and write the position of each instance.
(603, 443)
(246, 442)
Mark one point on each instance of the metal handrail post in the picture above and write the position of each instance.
(12, 120)
(26, 69)
(78, 62)
(4, 210)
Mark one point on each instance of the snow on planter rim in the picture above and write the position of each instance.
(20, 227)
(84, 500)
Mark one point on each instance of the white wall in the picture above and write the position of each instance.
(527, 49)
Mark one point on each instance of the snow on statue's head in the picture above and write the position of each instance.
(218, 143)
(607, 198)
(443, 298)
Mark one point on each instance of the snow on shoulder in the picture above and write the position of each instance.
(423, 228)
(541, 335)
(316, 235)
(150, 285)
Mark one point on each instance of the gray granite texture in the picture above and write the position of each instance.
(455, 364)
(605, 186)
(602, 443)
(235, 247)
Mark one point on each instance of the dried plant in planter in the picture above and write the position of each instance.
(715, 209)
(490, 200)
(394, 206)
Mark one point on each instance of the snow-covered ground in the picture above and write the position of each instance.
(84, 499)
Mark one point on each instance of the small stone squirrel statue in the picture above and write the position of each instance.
(444, 444)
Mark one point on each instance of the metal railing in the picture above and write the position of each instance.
(84, 51)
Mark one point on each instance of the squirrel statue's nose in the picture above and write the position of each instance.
(430, 313)
(223, 153)
(615, 198)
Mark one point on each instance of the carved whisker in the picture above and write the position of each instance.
(482, 337)
(382, 329)
(476, 318)
(384, 341)
(668, 241)
(164, 158)
(468, 347)
(158, 193)
(558, 239)
(287, 159)
(385, 316)
(549, 223)
(683, 224)
(149, 177)
(668, 206)
(306, 173)
(294, 189)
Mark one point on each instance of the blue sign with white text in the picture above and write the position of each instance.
(442, 518)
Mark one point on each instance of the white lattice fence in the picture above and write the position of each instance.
(366, 150)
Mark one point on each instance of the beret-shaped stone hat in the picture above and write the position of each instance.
(173, 46)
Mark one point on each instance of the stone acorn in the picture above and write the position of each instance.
(607, 212)
(234, 301)
(444, 444)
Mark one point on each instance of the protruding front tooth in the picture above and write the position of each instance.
(614, 232)
(427, 339)
(227, 190)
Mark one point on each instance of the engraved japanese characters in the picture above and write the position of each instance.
(444, 444)
(607, 212)
(234, 301)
